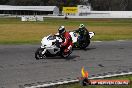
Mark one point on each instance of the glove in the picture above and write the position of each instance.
(61, 44)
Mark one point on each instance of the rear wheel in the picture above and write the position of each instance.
(85, 44)
(66, 55)
(38, 54)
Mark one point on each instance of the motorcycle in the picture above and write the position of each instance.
(78, 43)
(51, 47)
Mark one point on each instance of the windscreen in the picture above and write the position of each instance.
(51, 37)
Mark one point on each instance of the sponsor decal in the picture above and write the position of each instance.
(70, 9)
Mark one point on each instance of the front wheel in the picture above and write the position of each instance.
(38, 54)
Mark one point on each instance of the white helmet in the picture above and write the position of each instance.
(61, 29)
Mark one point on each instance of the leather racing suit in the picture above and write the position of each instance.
(67, 42)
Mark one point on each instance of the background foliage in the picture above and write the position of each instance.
(101, 5)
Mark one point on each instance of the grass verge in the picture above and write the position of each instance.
(77, 85)
(13, 31)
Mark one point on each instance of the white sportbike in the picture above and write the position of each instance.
(51, 47)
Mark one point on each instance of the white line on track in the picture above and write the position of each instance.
(115, 40)
(73, 81)
(121, 40)
(97, 41)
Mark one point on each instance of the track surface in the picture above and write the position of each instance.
(19, 67)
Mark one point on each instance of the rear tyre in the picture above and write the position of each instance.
(38, 54)
(66, 55)
(85, 44)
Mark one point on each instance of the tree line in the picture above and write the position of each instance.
(99, 5)
(111, 5)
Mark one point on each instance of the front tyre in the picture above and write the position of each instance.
(38, 54)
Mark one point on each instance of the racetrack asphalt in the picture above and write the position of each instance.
(19, 68)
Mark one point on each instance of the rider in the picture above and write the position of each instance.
(83, 32)
(66, 37)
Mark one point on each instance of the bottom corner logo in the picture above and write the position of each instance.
(84, 81)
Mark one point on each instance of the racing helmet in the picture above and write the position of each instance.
(61, 29)
(81, 26)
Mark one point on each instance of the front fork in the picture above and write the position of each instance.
(44, 50)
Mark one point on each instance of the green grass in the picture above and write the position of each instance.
(77, 85)
(13, 31)
(73, 22)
